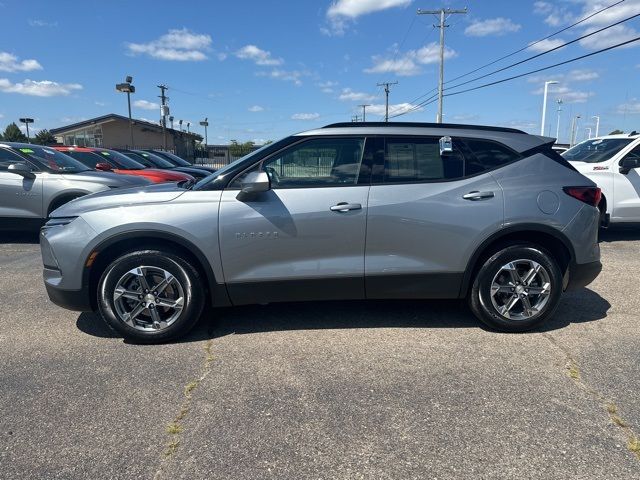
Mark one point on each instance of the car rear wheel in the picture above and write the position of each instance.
(516, 289)
(150, 296)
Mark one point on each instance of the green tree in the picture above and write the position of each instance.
(240, 149)
(44, 137)
(616, 132)
(13, 134)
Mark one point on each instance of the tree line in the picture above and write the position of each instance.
(13, 134)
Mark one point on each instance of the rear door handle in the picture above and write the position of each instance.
(345, 207)
(475, 195)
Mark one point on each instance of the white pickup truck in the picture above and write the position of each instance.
(613, 162)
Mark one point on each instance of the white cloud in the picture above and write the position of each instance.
(42, 23)
(305, 116)
(146, 105)
(632, 107)
(578, 75)
(257, 55)
(256, 108)
(492, 26)
(10, 63)
(328, 86)
(409, 63)
(554, 15)
(177, 44)
(379, 109)
(566, 93)
(342, 11)
(606, 38)
(349, 95)
(100, 104)
(285, 75)
(547, 44)
(44, 88)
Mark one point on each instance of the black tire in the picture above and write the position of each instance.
(480, 298)
(185, 275)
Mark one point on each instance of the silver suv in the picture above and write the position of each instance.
(348, 211)
(35, 180)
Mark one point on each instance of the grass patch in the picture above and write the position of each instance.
(190, 388)
(171, 448)
(174, 428)
(573, 371)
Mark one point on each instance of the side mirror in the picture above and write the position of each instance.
(446, 146)
(627, 165)
(103, 167)
(256, 182)
(21, 169)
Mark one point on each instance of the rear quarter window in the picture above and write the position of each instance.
(485, 155)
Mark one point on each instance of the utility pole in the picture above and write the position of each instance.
(355, 119)
(164, 111)
(386, 92)
(559, 102)
(443, 12)
(364, 111)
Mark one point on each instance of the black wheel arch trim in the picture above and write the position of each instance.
(519, 228)
(217, 291)
(67, 195)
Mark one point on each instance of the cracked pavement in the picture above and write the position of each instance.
(322, 390)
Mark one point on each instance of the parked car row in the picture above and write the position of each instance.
(35, 180)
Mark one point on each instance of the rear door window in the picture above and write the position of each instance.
(483, 155)
(418, 159)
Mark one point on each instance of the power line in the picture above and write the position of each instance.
(536, 42)
(622, 44)
(545, 52)
(538, 70)
(427, 101)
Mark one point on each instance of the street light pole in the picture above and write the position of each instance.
(205, 124)
(597, 117)
(544, 104)
(364, 111)
(27, 121)
(559, 102)
(589, 131)
(574, 127)
(127, 88)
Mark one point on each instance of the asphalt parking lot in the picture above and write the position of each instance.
(348, 390)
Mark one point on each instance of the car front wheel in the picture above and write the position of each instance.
(150, 296)
(516, 289)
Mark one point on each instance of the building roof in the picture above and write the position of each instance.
(110, 117)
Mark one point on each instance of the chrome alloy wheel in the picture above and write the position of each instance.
(520, 290)
(148, 298)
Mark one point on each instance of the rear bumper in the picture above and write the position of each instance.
(582, 274)
(77, 300)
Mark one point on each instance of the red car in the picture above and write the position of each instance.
(112, 161)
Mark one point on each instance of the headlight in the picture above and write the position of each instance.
(59, 221)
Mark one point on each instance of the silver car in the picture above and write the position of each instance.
(35, 180)
(348, 211)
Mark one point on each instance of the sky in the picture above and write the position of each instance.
(264, 70)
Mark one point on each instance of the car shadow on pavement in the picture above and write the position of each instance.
(20, 237)
(618, 233)
(581, 306)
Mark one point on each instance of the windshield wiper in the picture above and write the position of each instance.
(187, 184)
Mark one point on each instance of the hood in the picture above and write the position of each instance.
(193, 171)
(108, 179)
(151, 194)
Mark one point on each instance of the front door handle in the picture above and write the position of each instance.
(345, 207)
(475, 195)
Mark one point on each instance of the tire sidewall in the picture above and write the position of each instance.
(184, 273)
(481, 292)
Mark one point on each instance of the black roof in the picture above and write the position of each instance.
(447, 126)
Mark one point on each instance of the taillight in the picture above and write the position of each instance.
(590, 195)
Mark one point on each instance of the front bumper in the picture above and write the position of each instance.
(582, 274)
(77, 300)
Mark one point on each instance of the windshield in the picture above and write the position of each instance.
(176, 160)
(120, 160)
(595, 151)
(156, 160)
(52, 159)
